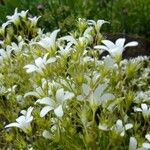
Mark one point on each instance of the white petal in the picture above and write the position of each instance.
(122, 133)
(21, 120)
(137, 109)
(108, 96)
(99, 90)
(108, 43)
(30, 68)
(133, 143)
(80, 97)
(119, 123)
(46, 101)
(54, 35)
(15, 124)
(39, 62)
(116, 51)
(60, 95)
(87, 31)
(45, 110)
(69, 39)
(46, 134)
(146, 145)
(147, 137)
(144, 107)
(68, 95)
(32, 94)
(59, 111)
(91, 22)
(29, 119)
(86, 89)
(102, 47)
(120, 42)
(130, 44)
(103, 127)
(45, 42)
(128, 126)
(101, 22)
(29, 111)
(51, 60)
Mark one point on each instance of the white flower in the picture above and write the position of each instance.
(34, 20)
(103, 127)
(37, 93)
(23, 13)
(61, 96)
(4, 25)
(46, 134)
(49, 42)
(96, 97)
(144, 109)
(147, 145)
(133, 143)
(80, 41)
(117, 48)
(5, 54)
(97, 24)
(15, 17)
(40, 64)
(24, 121)
(65, 50)
(119, 128)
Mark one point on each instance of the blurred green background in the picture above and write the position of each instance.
(130, 17)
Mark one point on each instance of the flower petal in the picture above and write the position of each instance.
(120, 42)
(99, 90)
(130, 44)
(46, 134)
(59, 111)
(29, 111)
(30, 68)
(144, 107)
(15, 124)
(60, 95)
(45, 110)
(54, 35)
(102, 47)
(51, 60)
(68, 95)
(133, 143)
(147, 137)
(128, 126)
(108, 43)
(39, 63)
(146, 145)
(32, 93)
(86, 89)
(46, 101)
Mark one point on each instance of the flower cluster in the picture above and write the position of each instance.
(58, 88)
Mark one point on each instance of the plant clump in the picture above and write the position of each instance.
(57, 94)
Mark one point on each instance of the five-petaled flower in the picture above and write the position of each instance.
(97, 24)
(144, 109)
(40, 64)
(119, 128)
(146, 145)
(117, 48)
(24, 121)
(49, 42)
(57, 104)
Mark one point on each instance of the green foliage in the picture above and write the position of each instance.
(127, 17)
(55, 92)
